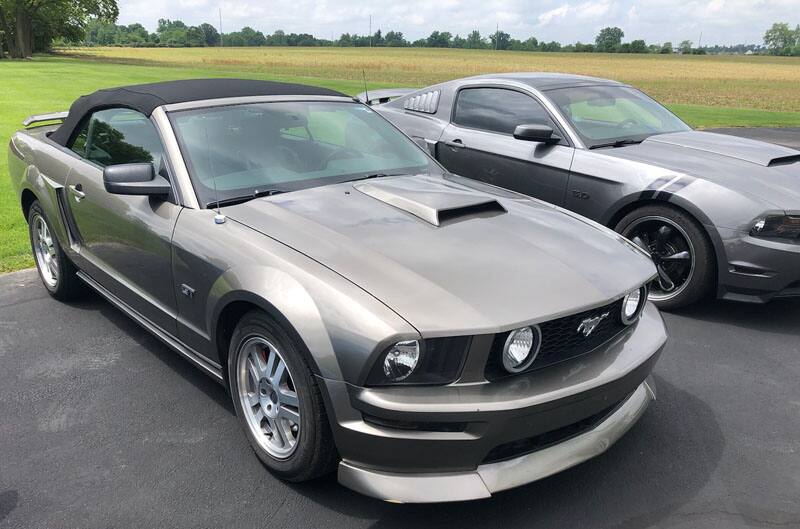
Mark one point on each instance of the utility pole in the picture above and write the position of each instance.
(700, 41)
(221, 44)
(370, 31)
(496, 35)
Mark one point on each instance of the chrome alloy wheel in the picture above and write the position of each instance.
(45, 251)
(671, 250)
(268, 397)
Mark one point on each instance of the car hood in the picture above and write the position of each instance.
(763, 170)
(451, 259)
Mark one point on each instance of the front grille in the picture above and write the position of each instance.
(561, 339)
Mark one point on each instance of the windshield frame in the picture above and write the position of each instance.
(173, 110)
(589, 143)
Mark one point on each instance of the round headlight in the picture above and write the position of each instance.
(632, 305)
(401, 360)
(521, 348)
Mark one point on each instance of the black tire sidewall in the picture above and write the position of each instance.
(300, 464)
(704, 275)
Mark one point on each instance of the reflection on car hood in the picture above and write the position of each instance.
(767, 171)
(480, 270)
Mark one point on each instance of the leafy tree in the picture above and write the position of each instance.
(439, 39)
(395, 39)
(638, 46)
(666, 48)
(780, 39)
(210, 34)
(31, 25)
(609, 39)
(420, 43)
(475, 41)
(279, 38)
(686, 47)
(500, 40)
(458, 42)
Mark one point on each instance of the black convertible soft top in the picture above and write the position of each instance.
(145, 98)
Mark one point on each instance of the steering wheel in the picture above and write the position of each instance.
(340, 154)
(291, 157)
(628, 123)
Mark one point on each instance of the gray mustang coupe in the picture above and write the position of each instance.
(716, 213)
(435, 337)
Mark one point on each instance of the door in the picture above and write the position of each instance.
(479, 144)
(123, 242)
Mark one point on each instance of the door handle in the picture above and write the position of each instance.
(77, 190)
(455, 144)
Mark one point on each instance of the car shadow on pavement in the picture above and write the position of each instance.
(153, 346)
(778, 316)
(659, 465)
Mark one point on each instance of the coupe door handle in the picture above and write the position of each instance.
(455, 144)
(77, 190)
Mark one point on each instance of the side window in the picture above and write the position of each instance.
(117, 136)
(498, 110)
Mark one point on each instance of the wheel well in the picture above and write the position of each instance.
(228, 319)
(28, 198)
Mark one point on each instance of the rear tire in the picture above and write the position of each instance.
(56, 271)
(278, 401)
(681, 251)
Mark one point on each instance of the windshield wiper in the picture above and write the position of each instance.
(245, 198)
(375, 175)
(618, 143)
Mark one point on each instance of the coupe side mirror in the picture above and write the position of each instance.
(537, 133)
(135, 179)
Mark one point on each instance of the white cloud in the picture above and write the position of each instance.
(721, 21)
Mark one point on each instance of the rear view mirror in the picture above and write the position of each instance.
(135, 179)
(538, 133)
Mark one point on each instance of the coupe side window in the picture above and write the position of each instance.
(117, 136)
(498, 110)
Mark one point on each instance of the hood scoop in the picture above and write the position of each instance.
(757, 152)
(434, 201)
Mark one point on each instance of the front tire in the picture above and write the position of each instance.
(681, 251)
(55, 269)
(278, 401)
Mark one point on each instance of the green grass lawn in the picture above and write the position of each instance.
(47, 84)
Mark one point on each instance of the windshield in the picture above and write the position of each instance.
(606, 114)
(245, 150)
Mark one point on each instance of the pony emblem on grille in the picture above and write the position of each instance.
(588, 325)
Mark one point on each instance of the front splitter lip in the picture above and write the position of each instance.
(494, 477)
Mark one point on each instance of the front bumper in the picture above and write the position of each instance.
(494, 477)
(757, 270)
(485, 437)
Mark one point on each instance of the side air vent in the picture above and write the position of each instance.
(784, 160)
(447, 216)
(426, 102)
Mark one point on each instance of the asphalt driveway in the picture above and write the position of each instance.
(102, 426)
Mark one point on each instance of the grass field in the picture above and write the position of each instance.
(704, 91)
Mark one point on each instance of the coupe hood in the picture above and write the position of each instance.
(451, 259)
(763, 170)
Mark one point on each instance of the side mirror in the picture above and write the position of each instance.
(135, 179)
(538, 133)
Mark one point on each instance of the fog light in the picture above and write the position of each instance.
(633, 304)
(521, 348)
(401, 360)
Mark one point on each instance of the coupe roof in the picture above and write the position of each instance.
(145, 98)
(548, 80)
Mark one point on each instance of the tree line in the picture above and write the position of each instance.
(175, 33)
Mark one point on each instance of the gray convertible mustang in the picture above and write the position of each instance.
(435, 337)
(716, 213)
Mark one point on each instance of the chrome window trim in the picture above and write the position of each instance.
(225, 101)
(185, 188)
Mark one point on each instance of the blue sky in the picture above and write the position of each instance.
(720, 21)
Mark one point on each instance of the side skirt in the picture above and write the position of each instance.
(209, 367)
